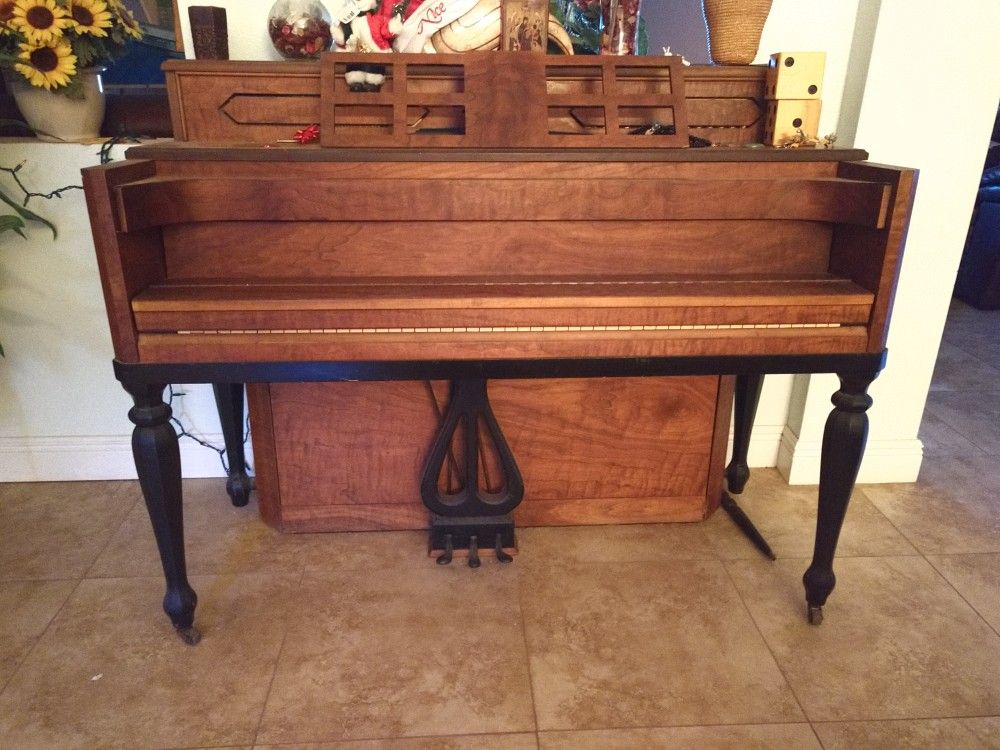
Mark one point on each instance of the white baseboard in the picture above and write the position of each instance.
(884, 461)
(76, 457)
(765, 441)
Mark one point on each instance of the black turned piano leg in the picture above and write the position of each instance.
(229, 401)
(747, 396)
(158, 463)
(843, 446)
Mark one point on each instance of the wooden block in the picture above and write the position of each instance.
(209, 32)
(795, 75)
(786, 117)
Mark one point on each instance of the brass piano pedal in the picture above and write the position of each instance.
(474, 561)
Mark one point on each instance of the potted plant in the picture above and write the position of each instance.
(53, 52)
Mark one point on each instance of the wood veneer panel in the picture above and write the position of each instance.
(162, 201)
(128, 262)
(638, 451)
(872, 256)
(304, 347)
(481, 168)
(245, 251)
(265, 458)
(720, 442)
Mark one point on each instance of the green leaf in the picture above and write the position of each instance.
(12, 223)
(28, 214)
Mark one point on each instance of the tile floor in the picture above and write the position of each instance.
(673, 636)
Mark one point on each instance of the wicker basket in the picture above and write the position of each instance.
(734, 29)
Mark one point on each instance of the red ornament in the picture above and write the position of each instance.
(307, 135)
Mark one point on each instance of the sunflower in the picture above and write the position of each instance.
(90, 17)
(41, 21)
(129, 25)
(6, 11)
(47, 66)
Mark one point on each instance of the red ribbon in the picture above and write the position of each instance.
(307, 135)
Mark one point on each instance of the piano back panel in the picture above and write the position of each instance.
(639, 454)
(329, 251)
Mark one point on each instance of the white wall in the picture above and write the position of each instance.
(62, 413)
(928, 101)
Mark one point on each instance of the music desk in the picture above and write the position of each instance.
(232, 265)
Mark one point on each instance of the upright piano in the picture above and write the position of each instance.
(425, 254)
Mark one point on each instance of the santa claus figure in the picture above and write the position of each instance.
(368, 26)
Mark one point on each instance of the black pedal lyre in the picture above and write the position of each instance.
(473, 517)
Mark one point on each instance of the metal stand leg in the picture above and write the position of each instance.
(459, 520)
(843, 446)
(738, 472)
(229, 401)
(158, 463)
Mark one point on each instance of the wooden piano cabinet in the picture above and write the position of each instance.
(348, 456)
(290, 267)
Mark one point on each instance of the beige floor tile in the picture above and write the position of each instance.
(975, 415)
(109, 672)
(953, 508)
(786, 516)
(400, 651)
(468, 742)
(958, 370)
(977, 579)
(897, 642)
(646, 644)
(940, 439)
(26, 608)
(55, 530)
(608, 544)
(932, 734)
(738, 737)
(221, 538)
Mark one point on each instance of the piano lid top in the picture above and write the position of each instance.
(176, 150)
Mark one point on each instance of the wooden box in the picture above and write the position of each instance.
(347, 456)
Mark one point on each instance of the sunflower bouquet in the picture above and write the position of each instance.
(47, 41)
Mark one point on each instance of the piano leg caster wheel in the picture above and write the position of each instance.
(445, 557)
(815, 615)
(189, 635)
(502, 556)
(239, 487)
(474, 561)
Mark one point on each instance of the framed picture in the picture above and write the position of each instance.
(525, 25)
(158, 19)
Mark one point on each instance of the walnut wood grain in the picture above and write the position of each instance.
(127, 263)
(265, 458)
(872, 257)
(637, 452)
(435, 303)
(530, 345)
(245, 251)
(163, 201)
(722, 100)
